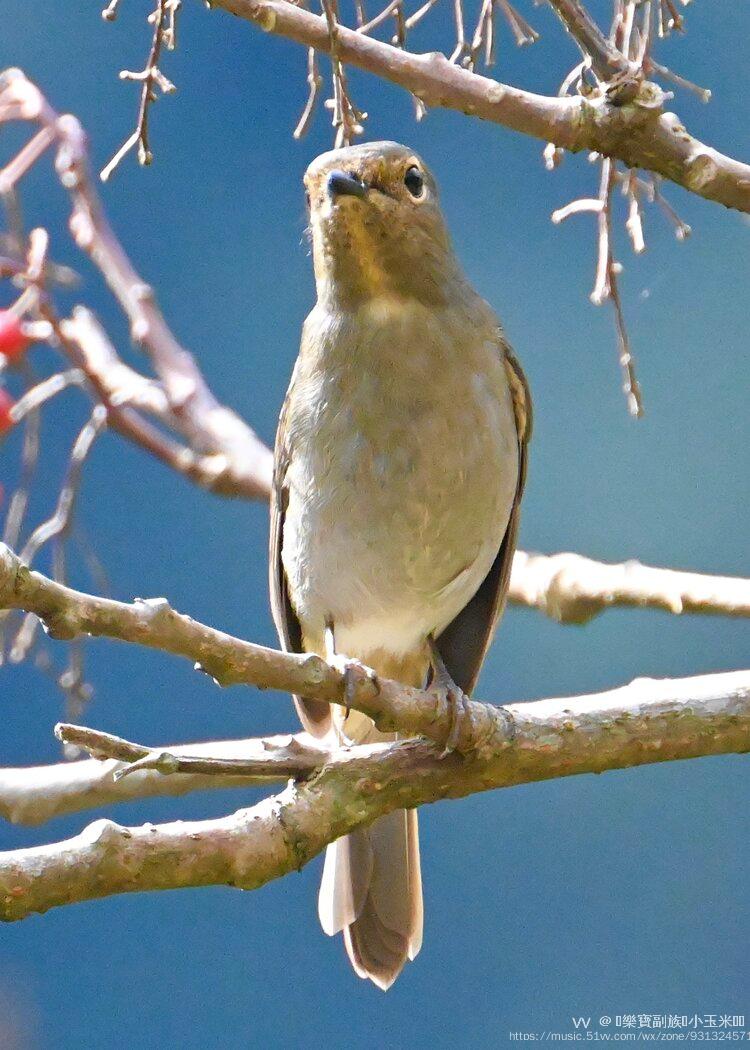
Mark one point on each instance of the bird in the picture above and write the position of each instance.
(399, 467)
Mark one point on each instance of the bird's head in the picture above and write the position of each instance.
(377, 228)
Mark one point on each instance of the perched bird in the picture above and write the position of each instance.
(399, 467)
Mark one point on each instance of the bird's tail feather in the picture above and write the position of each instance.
(372, 884)
(372, 892)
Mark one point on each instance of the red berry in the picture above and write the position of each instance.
(6, 404)
(13, 341)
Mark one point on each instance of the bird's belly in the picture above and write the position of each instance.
(391, 529)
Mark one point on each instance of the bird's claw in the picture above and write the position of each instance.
(446, 689)
(354, 672)
(457, 702)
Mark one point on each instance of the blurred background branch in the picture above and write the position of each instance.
(574, 589)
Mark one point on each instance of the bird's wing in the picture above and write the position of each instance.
(315, 715)
(465, 640)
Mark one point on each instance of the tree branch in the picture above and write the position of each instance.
(68, 614)
(647, 721)
(639, 134)
(567, 587)
(35, 794)
(606, 60)
(572, 589)
(263, 760)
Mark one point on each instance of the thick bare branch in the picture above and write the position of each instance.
(567, 587)
(638, 133)
(69, 614)
(647, 721)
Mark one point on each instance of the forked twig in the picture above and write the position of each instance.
(346, 118)
(150, 78)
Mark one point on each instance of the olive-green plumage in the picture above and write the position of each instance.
(400, 461)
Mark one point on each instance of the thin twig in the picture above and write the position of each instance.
(634, 221)
(601, 289)
(346, 118)
(292, 759)
(458, 17)
(19, 502)
(150, 78)
(60, 520)
(704, 94)
(523, 33)
(381, 17)
(419, 14)
(35, 794)
(44, 391)
(314, 83)
(606, 287)
(578, 207)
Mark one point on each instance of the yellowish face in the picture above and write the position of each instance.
(376, 223)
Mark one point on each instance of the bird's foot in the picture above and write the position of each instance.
(446, 689)
(353, 671)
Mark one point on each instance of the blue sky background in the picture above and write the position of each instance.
(595, 895)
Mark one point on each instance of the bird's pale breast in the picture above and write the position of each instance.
(402, 473)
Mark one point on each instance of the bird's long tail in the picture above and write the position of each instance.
(372, 892)
(372, 885)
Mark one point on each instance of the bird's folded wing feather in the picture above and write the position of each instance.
(314, 714)
(465, 640)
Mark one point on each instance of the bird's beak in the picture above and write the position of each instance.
(344, 184)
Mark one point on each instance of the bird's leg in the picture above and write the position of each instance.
(446, 689)
(353, 671)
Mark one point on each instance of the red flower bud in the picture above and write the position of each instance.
(13, 341)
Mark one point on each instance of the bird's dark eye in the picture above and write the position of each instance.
(414, 181)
